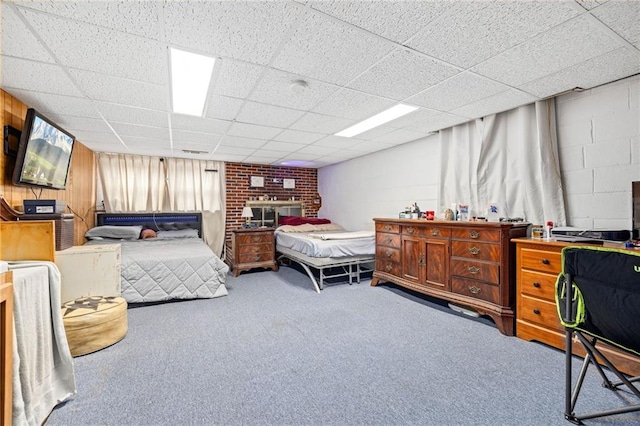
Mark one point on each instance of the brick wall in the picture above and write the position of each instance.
(239, 190)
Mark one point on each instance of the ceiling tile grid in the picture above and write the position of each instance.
(290, 74)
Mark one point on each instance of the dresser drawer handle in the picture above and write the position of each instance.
(388, 268)
(387, 227)
(536, 284)
(473, 269)
(256, 257)
(474, 234)
(474, 250)
(410, 230)
(389, 253)
(536, 311)
(256, 238)
(545, 261)
(388, 240)
(475, 290)
(435, 232)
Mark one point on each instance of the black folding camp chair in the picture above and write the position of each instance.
(598, 300)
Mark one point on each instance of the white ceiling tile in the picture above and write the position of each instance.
(101, 49)
(337, 142)
(623, 17)
(316, 150)
(352, 104)
(119, 90)
(395, 20)
(97, 140)
(411, 120)
(268, 115)
(608, 67)
(148, 144)
(301, 156)
(566, 45)
(252, 131)
(230, 158)
(141, 18)
(440, 121)
(18, 40)
(400, 136)
(275, 89)
(125, 114)
(50, 104)
(37, 77)
(74, 124)
(236, 78)
(475, 31)
(235, 150)
(246, 30)
(208, 139)
(123, 129)
(457, 91)
(379, 131)
(373, 145)
(199, 124)
(402, 74)
(317, 39)
(321, 123)
(297, 136)
(590, 4)
(193, 146)
(282, 146)
(265, 153)
(242, 142)
(494, 104)
(223, 107)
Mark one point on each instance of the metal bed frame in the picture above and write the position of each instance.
(351, 267)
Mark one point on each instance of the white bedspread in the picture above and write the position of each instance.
(342, 235)
(317, 247)
(43, 373)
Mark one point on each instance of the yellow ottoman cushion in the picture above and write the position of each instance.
(93, 323)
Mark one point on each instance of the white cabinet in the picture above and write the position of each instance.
(90, 270)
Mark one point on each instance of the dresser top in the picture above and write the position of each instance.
(454, 223)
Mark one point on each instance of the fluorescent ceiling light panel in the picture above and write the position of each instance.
(377, 120)
(190, 78)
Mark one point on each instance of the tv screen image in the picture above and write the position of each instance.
(44, 153)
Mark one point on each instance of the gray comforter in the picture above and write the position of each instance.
(159, 270)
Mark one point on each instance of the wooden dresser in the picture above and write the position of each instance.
(539, 261)
(252, 248)
(471, 264)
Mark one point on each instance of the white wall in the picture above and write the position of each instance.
(599, 144)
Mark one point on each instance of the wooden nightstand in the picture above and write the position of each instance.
(252, 248)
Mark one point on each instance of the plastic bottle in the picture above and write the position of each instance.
(547, 229)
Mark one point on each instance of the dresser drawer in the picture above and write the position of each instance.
(255, 248)
(387, 227)
(387, 239)
(489, 272)
(542, 261)
(427, 231)
(476, 289)
(255, 257)
(476, 250)
(388, 267)
(477, 234)
(538, 284)
(388, 254)
(254, 238)
(539, 312)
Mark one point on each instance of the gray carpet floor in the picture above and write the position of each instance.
(274, 352)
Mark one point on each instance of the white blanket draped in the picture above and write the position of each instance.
(342, 235)
(43, 373)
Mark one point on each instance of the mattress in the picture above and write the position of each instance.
(156, 270)
(312, 246)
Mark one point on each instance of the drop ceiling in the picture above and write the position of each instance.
(100, 69)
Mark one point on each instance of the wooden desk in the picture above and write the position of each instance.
(538, 263)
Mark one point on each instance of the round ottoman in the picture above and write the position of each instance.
(93, 323)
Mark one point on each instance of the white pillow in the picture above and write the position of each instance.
(112, 231)
(180, 233)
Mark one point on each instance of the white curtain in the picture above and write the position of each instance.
(134, 183)
(508, 159)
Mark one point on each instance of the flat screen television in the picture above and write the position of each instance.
(44, 153)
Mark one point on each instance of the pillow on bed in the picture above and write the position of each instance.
(111, 231)
(181, 233)
(297, 220)
(148, 233)
(329, 227)
(298, 228)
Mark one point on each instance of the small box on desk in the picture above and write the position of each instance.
(43, 206)
(64, 227)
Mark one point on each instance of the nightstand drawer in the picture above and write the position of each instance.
(539, 260)
(254, 238)
(255, 248)
(255, 257)
(387, 239)
(388, 227)
(538, 284)
(539, 312)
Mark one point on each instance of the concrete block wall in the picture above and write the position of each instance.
(599, 151)
(239, 189)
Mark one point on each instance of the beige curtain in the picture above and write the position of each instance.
(508, 159)
(134, 183)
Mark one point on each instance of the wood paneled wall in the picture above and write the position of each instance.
(80, 195)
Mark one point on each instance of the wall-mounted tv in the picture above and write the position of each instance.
(44, 153)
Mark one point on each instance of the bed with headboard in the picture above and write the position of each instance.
(325, 250)
(163, 256)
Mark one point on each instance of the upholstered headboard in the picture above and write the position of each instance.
(155, 221)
